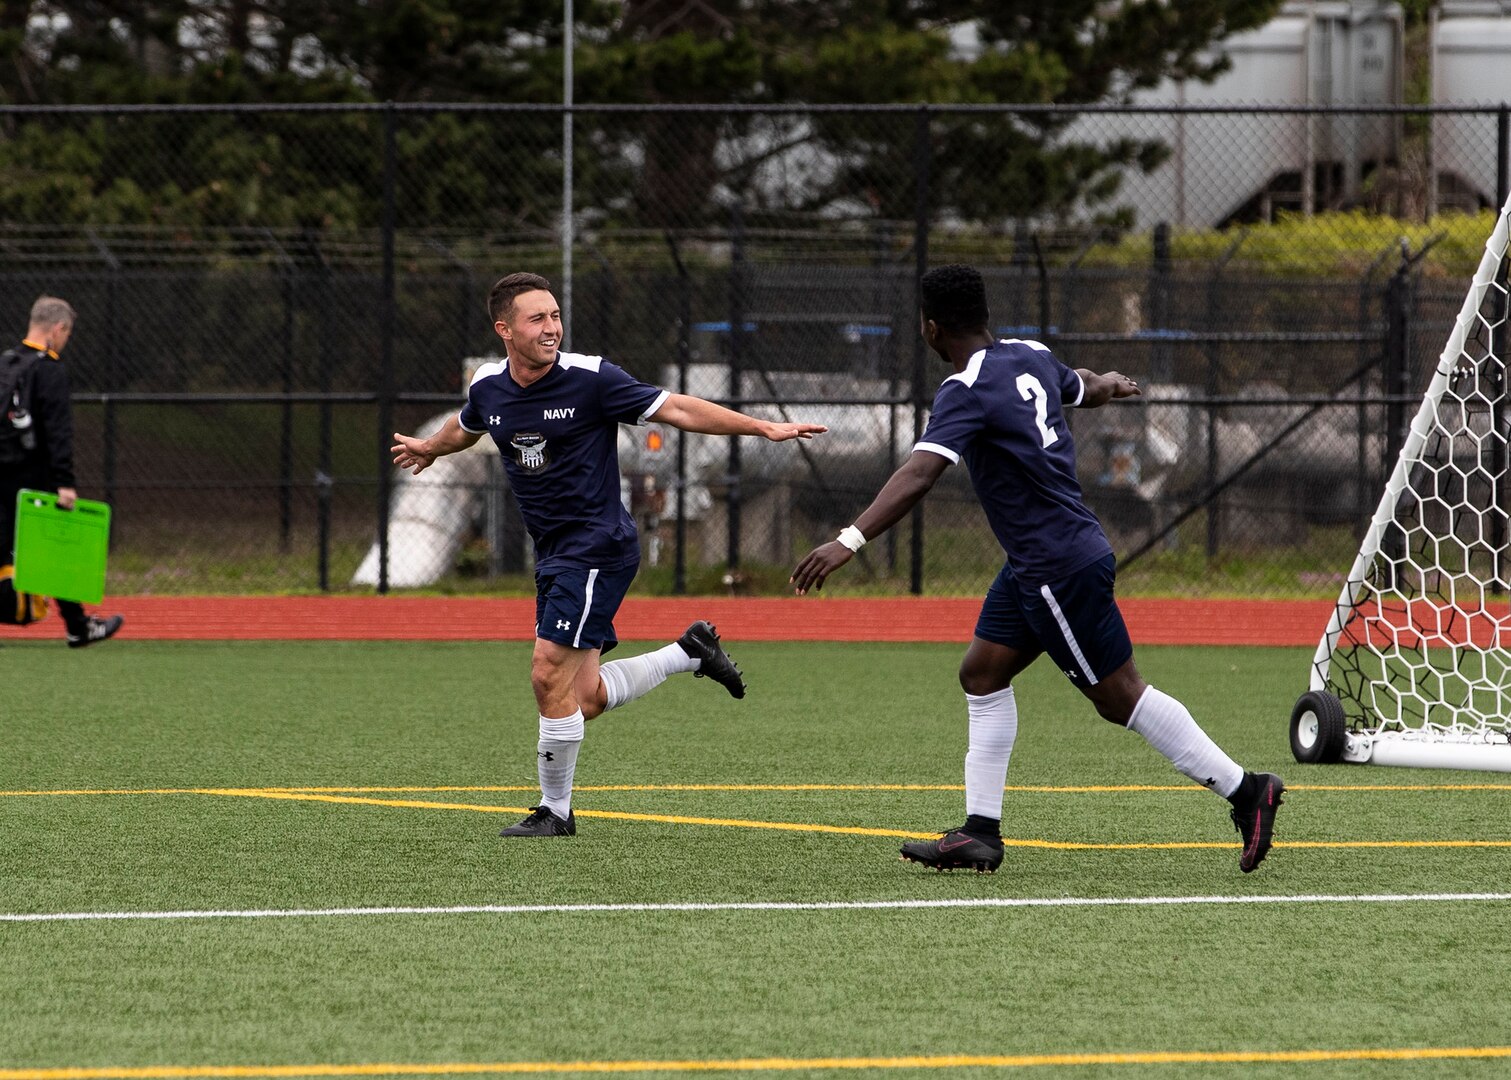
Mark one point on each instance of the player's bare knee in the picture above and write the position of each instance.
(1113, 713)
(547, 678)
(1116, 696)
(980, 681)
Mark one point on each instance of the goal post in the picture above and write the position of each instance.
(1414, 667)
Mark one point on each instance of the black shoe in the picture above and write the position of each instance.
(701, 642)
(1254, 806)
(956, 850)
(95, 630)
(542, 822)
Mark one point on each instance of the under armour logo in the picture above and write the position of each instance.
(1071, 675)
(495, 420)
(563, 624)
(545, 755)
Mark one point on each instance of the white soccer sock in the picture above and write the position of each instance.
(994, 726)
(556, 760)
(635, 676)
(1167, 725)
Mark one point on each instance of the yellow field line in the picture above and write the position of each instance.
(319, 795)
(951, 1061)
(1021, 789)
(617, 815)
(847, 830)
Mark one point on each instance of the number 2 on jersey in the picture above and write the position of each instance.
(1033, 390)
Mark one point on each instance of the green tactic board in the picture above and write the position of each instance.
(61, 553)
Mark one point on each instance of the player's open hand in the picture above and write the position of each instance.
(410, 453)
(1122, 385)
(819, 564)
(783, 432)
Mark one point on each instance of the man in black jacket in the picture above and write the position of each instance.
(41, 408)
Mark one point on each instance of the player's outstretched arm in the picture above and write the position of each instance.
(902, 491)
(419, 454)
(704, 417)
(1100, 389)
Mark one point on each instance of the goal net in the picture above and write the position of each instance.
(1414, 667)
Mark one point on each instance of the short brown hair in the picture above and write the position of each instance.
(505, 289)
(50, 311)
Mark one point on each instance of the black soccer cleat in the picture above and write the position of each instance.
(1254, 806)
(95, 629)
(956, 850)
(701, 642)
(542, 822)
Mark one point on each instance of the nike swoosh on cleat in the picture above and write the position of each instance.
(943, 847)
(1254, 840)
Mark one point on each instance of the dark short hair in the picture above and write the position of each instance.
(954, 296)
(505, 289)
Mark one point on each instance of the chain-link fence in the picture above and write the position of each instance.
(267, 293)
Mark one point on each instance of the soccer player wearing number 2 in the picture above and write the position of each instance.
(1002, 412)
(555, 417)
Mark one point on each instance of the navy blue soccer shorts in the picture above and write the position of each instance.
(577, 607)
(1075, 620)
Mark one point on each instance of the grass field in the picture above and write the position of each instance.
(163, 761)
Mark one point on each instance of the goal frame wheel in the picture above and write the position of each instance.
(1319, 729)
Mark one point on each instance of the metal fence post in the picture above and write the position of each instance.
(1023, 242)
(736, 377)
(325, 480)
(1214, 387)
(1502, 154)
(1160, 362)
(1213, 350)
(387, 322)
(922, 162)
(684, 357)
(887, 298)
(1396, 380)
(112, 371)
(290, 295)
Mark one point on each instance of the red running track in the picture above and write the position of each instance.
(395, 618)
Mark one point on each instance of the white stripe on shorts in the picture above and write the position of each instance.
(587, 606)
(1070, 639)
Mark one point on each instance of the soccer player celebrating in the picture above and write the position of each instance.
(1002, 411)
(555, 417)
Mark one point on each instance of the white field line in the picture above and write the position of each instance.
(825, 905)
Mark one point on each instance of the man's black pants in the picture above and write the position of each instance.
(74, 618)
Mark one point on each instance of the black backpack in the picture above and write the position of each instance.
(17, 436)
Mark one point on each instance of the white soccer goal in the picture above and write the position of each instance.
(1415, 665)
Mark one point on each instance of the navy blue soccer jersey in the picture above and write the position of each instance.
(559, 437)
(1004, 414)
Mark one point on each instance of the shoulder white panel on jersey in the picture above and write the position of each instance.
(485, 370)
(1032, 344)
(579, 360)
(972, 370)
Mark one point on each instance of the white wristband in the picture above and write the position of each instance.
(852, 538)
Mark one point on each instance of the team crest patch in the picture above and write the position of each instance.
(530, 450)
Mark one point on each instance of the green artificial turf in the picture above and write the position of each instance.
(692, 986)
